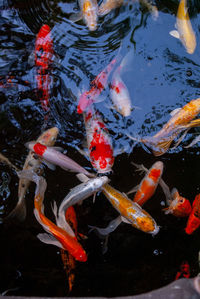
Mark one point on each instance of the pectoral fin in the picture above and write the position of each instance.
(49, 165)
(175, 34)
(133, 190)
(76, 17)
(109, 229)
(49, 239)
(82, 177)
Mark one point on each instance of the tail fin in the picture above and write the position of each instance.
(18, 212)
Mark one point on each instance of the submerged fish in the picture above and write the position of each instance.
(99, 143)
(107, 5)
(184, 271)
(181, 120)
(179, 206)
(193, 222)
(55, 235)
(32, 163)
(130, 211)
(148, 185)
(77, 194)
(98, 84)
(53, 156)
(185, 32)
(43, 58)
(88, 13)
(68, 260)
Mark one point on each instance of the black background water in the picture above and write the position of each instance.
(160, 76)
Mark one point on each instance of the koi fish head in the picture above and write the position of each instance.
(156, 171)
(180, 206)
(90, 15)
(147, 224)
(36, 147)
(80, 254)
(49, 137)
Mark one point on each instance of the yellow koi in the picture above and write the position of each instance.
(185, 32)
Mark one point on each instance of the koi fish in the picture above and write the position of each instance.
(181, 120)
(98, 85)
(184, 271)
(120, 96)
(43, 57)
(179, 206)
(47, 138)
(194, 218)
(107, 5)
(99, 143)
(68, 260)
(77, 194)
(148, 185)
(88, 13)
(130, 211)
(185, 32)
(55, 235)
(53, 156)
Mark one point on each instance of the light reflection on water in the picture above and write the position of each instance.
(160, 77)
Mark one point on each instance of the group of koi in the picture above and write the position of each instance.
(63, 233)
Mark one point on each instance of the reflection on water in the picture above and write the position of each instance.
(160, 77)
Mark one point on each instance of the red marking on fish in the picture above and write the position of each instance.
(99, 143)
(193, 222)
(98, 85)
(39, 149)
(43, 58)
(184, 271)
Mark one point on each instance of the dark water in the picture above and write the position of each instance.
(160, 78)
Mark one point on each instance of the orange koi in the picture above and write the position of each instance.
(99, 143)
(98, 85)
(107, 5)
(55, 235)
(130, 211)
(182, 120)
(43, 58)
(194, 218)
(179, 206)
(68, 260)
(148, 185)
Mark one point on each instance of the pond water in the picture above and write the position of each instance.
(160, 76)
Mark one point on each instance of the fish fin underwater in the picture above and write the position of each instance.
(111, 227)
(19, 212)
(49, 239)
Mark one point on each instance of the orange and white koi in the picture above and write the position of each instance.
(148, 185)
(88, 13)
(43, 57)
(193, 222)
(181, 120)
(99, 143)
(130, 211)
(185, 32)
(32, 163)
(179, 206)
(107, 5)
(68, 260)
(55, 157)
(98, 85)
(55, 235)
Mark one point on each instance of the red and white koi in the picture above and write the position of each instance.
(193, 222)
(99, 143)
(55, 235)
(32, 163)
(53, 156)
(43, 57)
(98, 85)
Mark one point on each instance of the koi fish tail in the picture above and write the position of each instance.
(19, 212)
(5, 160)
(162, 147)
(196, 140)
(107, 230)
(180, 139)
(140, 167)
